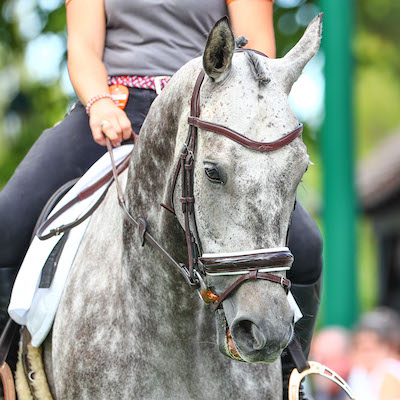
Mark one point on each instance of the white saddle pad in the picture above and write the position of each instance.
(35, 307)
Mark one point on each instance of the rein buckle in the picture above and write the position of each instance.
(316, 368)
(208, 296)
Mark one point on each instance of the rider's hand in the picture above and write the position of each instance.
(109, 120)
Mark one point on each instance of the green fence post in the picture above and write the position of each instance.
(339, 213)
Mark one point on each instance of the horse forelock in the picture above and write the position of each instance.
(257, 68)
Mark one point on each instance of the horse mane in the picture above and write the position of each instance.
(257, 68)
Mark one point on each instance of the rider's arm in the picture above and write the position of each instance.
(253, 19)
(86, 23)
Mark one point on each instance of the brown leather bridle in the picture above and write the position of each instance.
(252, 264)
(255, 268)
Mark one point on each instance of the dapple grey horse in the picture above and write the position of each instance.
(128, 326)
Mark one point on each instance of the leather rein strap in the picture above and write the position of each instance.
(141, 224)
(84, 194)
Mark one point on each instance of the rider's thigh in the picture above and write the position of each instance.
(60, 154)
(305, 242)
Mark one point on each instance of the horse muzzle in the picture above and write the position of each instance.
(250, 338)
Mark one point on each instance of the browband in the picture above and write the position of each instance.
(243, 140)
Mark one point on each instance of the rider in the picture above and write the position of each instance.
(140, 42)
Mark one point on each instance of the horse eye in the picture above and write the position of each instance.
(213, 175)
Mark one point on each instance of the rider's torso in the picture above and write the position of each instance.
(157, 37)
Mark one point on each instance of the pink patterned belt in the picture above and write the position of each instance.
(156, 83)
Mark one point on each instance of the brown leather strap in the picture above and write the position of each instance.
(194, 110)
(84, 194)
(8, 382)
(195, 102)
(6, 339)
(144, 233)
(297, 355)
(253, 275)
(6, 375)
(243, 140)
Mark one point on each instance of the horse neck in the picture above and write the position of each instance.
(149, 184)
(152, 158)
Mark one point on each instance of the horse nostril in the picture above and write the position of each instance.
(248, 335)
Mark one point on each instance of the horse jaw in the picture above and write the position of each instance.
(289, 68)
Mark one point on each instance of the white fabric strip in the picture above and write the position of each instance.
(293, 305)
(242, 272)
(246, 253)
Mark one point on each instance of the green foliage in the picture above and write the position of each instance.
(377, 77)
(38, 107)
(26, 106)
(55, 21)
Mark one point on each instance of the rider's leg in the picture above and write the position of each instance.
(305, 242)
(61, 153)
(7, 277)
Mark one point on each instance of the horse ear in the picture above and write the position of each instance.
(219, 49)
(290, 67)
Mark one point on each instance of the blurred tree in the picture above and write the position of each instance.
(377, 57)
(27, 104)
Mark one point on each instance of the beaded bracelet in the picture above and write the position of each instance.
(94, 99)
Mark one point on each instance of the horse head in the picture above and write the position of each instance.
(244, 198)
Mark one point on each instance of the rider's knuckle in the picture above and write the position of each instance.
(126, 126)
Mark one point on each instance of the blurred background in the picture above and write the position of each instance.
(348, 98)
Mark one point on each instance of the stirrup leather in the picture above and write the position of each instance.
(7, 380)
(316, 368)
